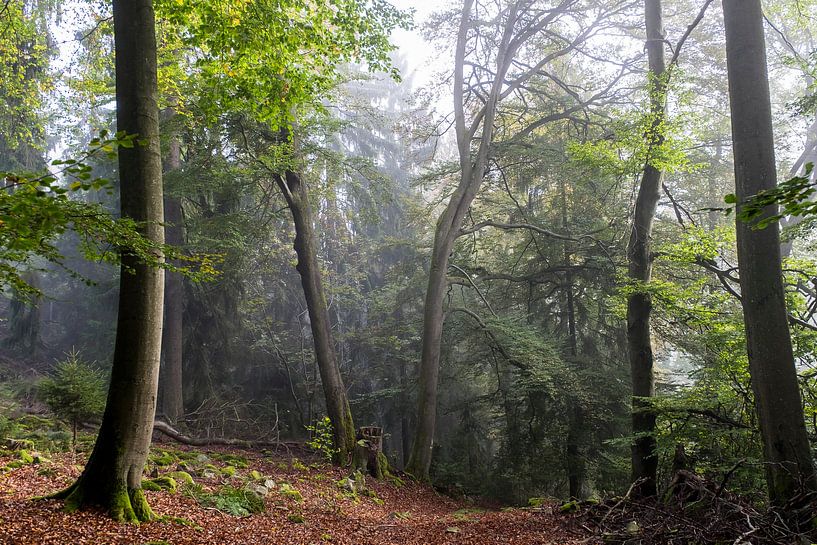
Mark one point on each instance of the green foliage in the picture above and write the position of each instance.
(321, 438)
(76, 391)
(239, 502)
(24, 78)
(36, 209)
(288, 491)
(793, 195)
(283, 55)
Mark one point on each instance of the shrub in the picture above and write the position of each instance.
(322, 441)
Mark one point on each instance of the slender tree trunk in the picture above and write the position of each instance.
(639, 304)
(113, 475)
(171, 383)
(472, 169)
(789, 467)
(337, 403)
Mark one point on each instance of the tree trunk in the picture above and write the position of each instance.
(639, 304)
(113, 475)
(171, 383)
(577, 433)
(337, 403)
(472, 169)
(789, 467)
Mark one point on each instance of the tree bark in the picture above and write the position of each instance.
(639, 303)
(337, 402)
(788, 462)
(113, 475)
(171, 383)
(472, 169)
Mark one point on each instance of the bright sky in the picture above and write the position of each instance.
(417, 51)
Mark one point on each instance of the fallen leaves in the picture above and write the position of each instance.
(412, 514)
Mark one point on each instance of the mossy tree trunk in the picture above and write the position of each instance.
(113, 475)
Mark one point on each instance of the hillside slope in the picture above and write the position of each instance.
(302, 504)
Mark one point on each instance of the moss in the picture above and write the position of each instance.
(229, 471)
(297, 518)
(234, 460)
(165, 482)
(181, 521)
(181, 477)
(383, 468)
(569, 507)
(536, 502)
(256, 476)
(140, 506)
(25, 457)
(298, 465)
(150, 486)
(164, 458)
(288, 491)
(122, 504)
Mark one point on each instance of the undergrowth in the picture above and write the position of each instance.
(239, 502)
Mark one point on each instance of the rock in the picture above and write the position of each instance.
(259, 489)
(452, 530)
(632, 528)
(202, 458)
(182, 477)
(161, 483)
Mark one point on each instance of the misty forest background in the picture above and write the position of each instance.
(534, 388)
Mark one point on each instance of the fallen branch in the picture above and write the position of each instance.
(167, 430)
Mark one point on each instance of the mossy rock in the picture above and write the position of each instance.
(287, 491)
(256, 476)
(187, 455)
(25, 457)
(569, 507)
(229, 471)
(232, 460)
(537, 502)
(181, 477)
(297, 518)
(164, 459)
(160, 483)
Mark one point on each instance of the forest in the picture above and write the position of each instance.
(381, 271)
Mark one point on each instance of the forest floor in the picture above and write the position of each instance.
(303, 503)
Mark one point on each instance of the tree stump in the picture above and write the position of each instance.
(368, 452)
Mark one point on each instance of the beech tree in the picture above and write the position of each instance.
(497, 54)
(270, 85)
(639, 305)
(788, 460)
(113, 475)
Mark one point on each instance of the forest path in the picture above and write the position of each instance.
(322, 511)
